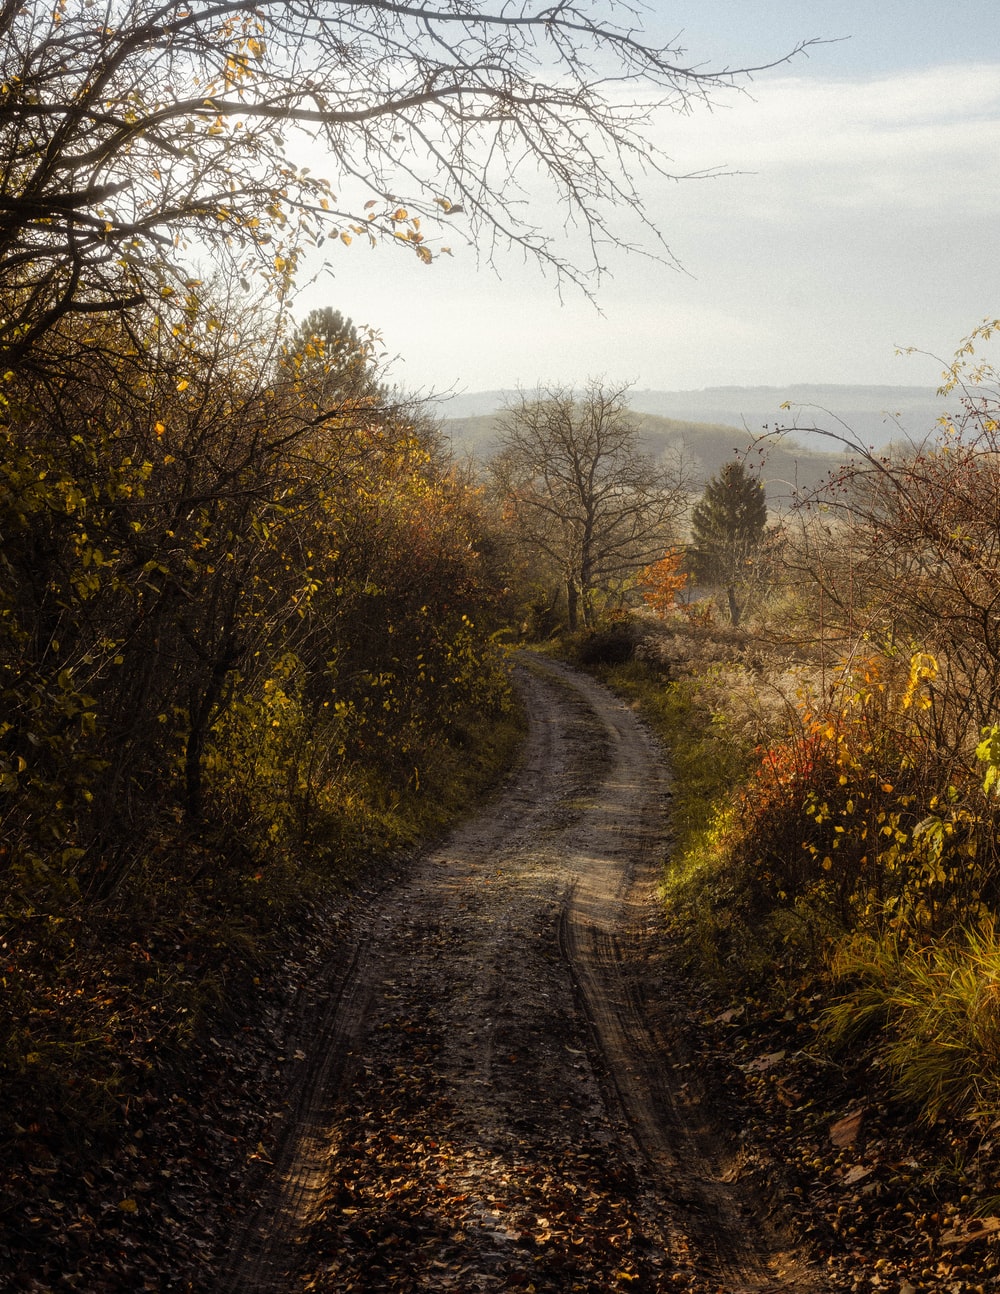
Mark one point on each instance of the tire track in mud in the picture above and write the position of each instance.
(490, 1101)
(602, 940)
(259, 1252)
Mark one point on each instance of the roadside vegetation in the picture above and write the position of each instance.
(833, 873)
(246, 648)
(248, 655)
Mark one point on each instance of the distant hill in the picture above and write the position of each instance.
(784, 466)
(712, 426)
(875, 414)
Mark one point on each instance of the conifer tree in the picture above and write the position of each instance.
(335, 361)
(727, 532)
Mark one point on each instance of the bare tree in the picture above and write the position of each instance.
(902, 550)
(132, 129)
(579, 491)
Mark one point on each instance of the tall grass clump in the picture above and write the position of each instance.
(929, 1016)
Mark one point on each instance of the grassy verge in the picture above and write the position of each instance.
(707, 764)
(908, 989)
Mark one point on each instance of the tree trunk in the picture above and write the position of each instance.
(735, 610)
(192, 769)
(572, 605)
(201, 708)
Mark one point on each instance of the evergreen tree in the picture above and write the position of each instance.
(727, 531)
(333, 359)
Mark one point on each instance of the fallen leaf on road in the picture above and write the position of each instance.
(845, 1131)
(975, 1229)
(763, 1063)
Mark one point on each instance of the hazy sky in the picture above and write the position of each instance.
(864, 216)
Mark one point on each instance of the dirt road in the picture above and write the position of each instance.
(492, 1099)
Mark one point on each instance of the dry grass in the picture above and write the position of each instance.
(930, 1016)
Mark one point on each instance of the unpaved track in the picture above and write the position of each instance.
(492, 1099)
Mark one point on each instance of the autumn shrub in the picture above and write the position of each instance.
(247, 646)
(662, 582)
(269, 765)
(862, 814)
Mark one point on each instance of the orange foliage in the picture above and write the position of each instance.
(661, 582)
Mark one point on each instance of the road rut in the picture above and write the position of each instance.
(493, 1099)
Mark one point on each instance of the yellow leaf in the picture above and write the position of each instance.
(346, 239)
(128, 1205)
(183, 384)
(160, 428)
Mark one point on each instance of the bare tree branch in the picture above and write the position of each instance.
(133, 132)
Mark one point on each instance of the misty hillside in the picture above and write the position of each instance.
(785, 467)
(874, 414)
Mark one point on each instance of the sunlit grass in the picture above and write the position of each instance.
(930, 1016)
(706, 765)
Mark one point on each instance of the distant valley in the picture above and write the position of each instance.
(712, 426)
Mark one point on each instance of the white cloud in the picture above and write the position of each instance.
(864, 216)
(904, 138)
